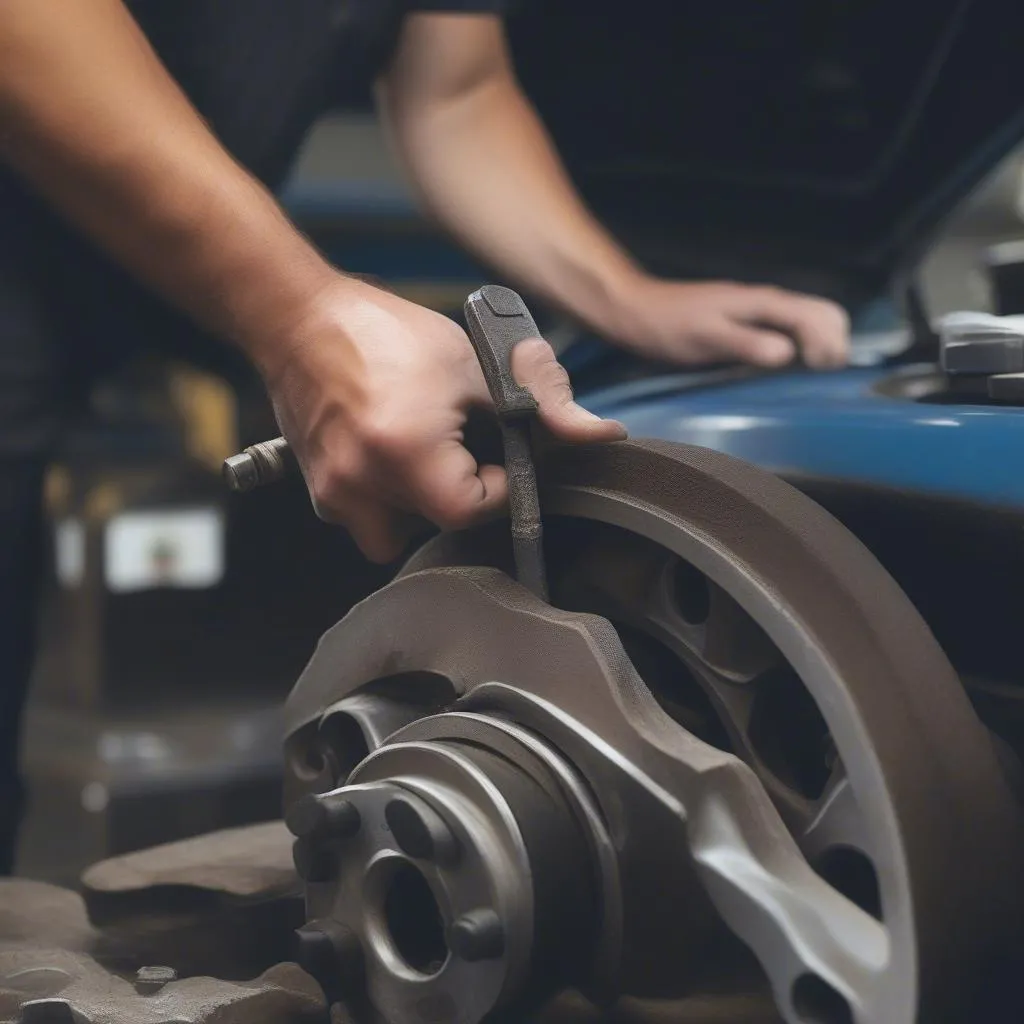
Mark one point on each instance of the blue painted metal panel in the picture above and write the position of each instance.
(835, 426)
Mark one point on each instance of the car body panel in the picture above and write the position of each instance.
(836, 426)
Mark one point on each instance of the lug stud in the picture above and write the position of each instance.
(150, 980)
(331, 954)
(477, 935)
(421, 833)
(327, 816)
(313, 863)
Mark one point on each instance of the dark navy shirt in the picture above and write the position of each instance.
(261, 72)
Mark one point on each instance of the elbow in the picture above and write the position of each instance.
(411, 111)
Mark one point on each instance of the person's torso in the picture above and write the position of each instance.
(262, 71)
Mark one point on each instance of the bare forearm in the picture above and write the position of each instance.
(91, 118)
(485, 168)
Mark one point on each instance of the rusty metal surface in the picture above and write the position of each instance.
(251, 862)
(942, 828)
(36, 913)
(223, 904)
(49, 950)
(282, 995)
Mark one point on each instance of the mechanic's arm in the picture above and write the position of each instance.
(485, 168)
(89, 115)
(372, 391)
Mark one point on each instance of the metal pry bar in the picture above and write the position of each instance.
(498, 320)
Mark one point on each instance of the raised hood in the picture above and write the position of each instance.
(817, 143)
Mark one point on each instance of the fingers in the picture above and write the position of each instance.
(373, 469)
(820, 328)
(452, 491)
(536, 368)
(381, 532)
(444, 486)
(758, 346)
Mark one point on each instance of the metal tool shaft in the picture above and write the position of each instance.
(498, 320)
(259, 464)
(524, 507)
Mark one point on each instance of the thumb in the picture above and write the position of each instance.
(535, 367)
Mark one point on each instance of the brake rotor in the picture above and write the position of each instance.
(774, 746)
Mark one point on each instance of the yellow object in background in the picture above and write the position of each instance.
(207, 407)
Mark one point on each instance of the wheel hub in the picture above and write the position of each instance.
(451, 870)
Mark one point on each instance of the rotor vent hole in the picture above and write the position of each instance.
(306, 755)
(789, 733)
(414, 922)
(345, 743)
(314, 760)
(851, 872)
(673, 686)
(817, 1002)
(690, 593)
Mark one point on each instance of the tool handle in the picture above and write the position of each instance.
(263, 463)
(498, 320)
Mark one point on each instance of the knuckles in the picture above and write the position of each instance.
(385, 439)
(331, 482)
(381, 459)
(450, 514)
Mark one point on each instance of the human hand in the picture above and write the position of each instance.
(700, 322)
(372, 393)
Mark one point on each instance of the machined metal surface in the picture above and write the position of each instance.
(775, 744)
(460, 874)
(600, 958)
(381, 888)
